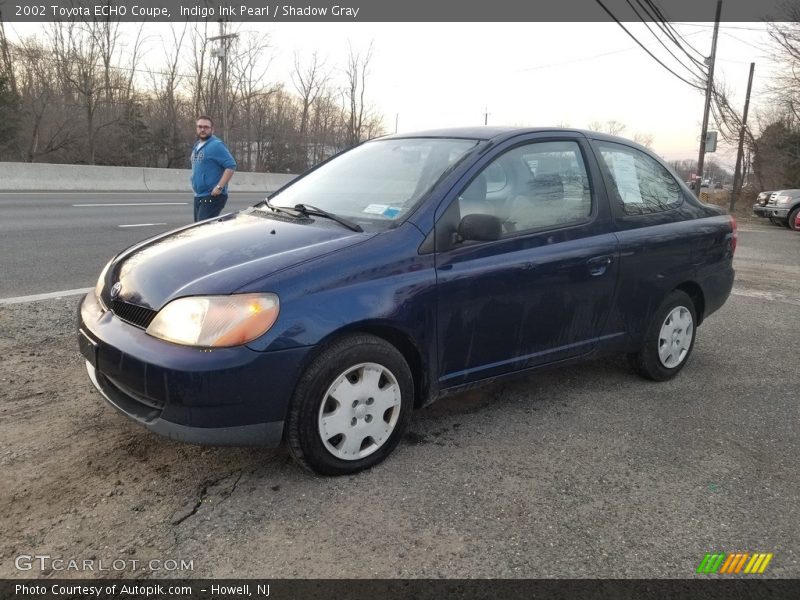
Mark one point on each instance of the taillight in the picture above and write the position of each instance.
(735, 234)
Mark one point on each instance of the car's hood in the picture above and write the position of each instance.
(219, 256)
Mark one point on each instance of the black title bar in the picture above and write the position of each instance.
(380, 10)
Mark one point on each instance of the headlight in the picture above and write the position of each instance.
(783, 199)
(98, 288)
(215, 321)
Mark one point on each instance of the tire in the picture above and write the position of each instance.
(669, 339)
(793, 218)
(360, 428)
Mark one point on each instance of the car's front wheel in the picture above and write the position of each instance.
(669, 339)
(351, 406)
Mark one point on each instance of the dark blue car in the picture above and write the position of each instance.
(402, 269)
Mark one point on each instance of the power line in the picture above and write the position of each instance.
(706, 26)
(653, 56)
(577, 60)
(671, 32)
(655, 35)
(741, 41)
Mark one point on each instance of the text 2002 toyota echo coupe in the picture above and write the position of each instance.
(404, 268)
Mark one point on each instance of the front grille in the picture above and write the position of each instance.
(133, 314)
(144, 412)
(158, 404)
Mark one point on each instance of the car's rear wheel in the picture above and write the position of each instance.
(793, 218)
(351, 406)
(669, 339)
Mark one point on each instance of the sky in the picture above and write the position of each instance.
(431, 75)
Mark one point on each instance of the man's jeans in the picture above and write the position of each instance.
(208, 207)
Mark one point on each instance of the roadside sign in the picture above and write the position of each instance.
(711, 141)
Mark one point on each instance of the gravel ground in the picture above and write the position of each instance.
(586, 471)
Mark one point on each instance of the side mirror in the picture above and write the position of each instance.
(481, 228)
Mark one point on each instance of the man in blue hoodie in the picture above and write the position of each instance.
(212, 169)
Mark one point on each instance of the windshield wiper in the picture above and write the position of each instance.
(307, 209)
(280, 209)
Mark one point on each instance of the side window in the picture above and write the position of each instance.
(530, 187)
(496, 178)
(639, 183)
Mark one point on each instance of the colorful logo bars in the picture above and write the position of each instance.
(735, 562)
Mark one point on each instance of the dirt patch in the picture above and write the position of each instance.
(79, 479)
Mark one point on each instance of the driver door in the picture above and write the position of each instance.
(542, 291)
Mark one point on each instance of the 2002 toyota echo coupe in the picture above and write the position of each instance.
(404, 268)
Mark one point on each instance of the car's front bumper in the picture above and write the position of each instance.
(777, 213)
(259, 434)
(226, 396)
(760, 211)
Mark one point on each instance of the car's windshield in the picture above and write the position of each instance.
(378, 182)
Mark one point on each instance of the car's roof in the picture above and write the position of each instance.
(498, 133)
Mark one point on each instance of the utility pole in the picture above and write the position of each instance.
(737, 185)
(222, 54)
(709, 87)
(396, 121)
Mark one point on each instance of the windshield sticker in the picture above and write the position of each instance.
(376, 209)
(391, 212)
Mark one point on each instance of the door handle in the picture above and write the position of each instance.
(599, 264)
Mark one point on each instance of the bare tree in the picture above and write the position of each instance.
(46, 127)
(645, 139)
(611, 127)
(206, 74)
(78, 54)
(326, 129)
(6, 68)
(80, 100)
(309, 81)
(282, 119)
(247, 70)
(785, 36)
(169, 116)
(356, 72)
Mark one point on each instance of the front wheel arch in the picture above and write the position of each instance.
(401, 341)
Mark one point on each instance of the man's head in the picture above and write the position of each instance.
(205, 127)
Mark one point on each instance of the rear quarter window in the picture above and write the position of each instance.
(638, 183)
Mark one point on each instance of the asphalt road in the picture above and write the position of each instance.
(51, 242)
